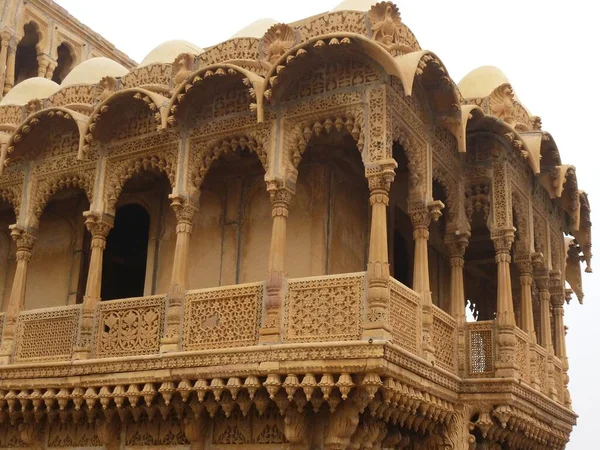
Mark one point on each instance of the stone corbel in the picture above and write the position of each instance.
(109, 432)
(341, 425)
(295, 428)
(195, 431)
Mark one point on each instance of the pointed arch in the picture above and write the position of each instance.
(180, 100)
(39, 121)
(155, 103)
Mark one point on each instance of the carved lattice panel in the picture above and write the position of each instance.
(522, 355)
(253, 429)
(324, 308)
(129, 327)
(540, 370)
(481, 349)
(47, 334)
(81, 434)
(559, 383)
(223, 317)
(445, 340)
(405, 317)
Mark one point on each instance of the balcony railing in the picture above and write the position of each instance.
(315, 309)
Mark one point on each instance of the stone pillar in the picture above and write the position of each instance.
(421, 216)
(557, 298)
(5, 37)
(99, 225)
(24, 241)
(378, 268)
(542, 281)
(9, 78)
(280, 203)
(505, 316)
(526, 281)
(184, 212)
(457, 244)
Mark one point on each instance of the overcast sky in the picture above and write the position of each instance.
(546, 48)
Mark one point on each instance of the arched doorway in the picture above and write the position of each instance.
(26, 63)
(125, 256)
(64, 63)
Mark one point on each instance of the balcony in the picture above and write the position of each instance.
(221, 325)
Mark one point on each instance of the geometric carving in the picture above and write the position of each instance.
(445, 340)
(522, 354)
(47, 334)
(405, 316)
(129, 327)
(63, 435)
(324, 308)
(162, 433)
(481, 349)
(222, 317)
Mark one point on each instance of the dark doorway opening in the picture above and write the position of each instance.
(26, 63)
(65, 63)
(124, 264)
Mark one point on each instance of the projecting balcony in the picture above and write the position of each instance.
(221, 326)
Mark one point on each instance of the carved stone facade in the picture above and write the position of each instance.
(272, 244)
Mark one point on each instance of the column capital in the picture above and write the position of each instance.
(503, 239)
(184, 209)
(525, 265)
(380, 177)
(421, 214)
(98, 224)
(280, 196)
(24, 240)
(557, 294)
(457, 243)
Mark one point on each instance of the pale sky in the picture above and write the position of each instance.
(548, 50)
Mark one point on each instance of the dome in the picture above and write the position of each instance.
(481, 82)
(256, 29)
(355, 5)
(30, 89)
(166, 52)
(92, 70)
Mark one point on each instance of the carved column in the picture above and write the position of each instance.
(184, 212)
(9, 78)
(421, 216)
(99, 225)
(280, 203)
(542, 280)
(457, 244)
(505, 315)
(378, 268)
(24, 241)
(526, 281)
(5, 37)
(557, 298)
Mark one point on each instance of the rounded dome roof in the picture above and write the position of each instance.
(355, 5)
(92, 70)
(481, 82)
(256, 29)
(166, 52)
(36, 87)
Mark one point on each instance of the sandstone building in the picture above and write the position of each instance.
(271, 243)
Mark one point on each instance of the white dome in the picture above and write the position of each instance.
(166, 52)
(30, 89)
(256, 29)
(92, 70)
(481, 82)
(355, 5)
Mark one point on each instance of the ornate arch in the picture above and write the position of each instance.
(195, 80)
(38, 121)
(209, 151)
(161, 159)
(156, 104)
(450, 187)
(45, 188)
(280, 76)
(521, 222)
(298, 133)
(12, 195)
